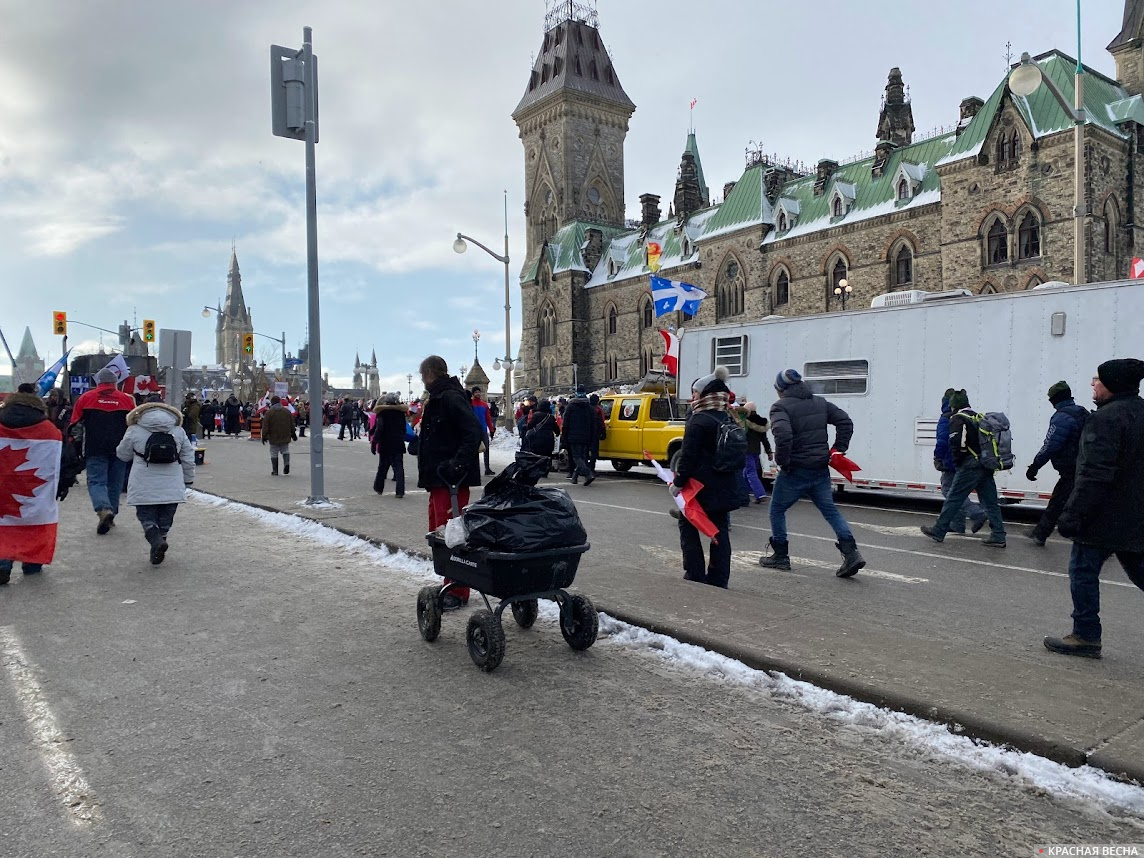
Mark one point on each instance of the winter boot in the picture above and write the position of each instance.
(5, 572)
(154, 538)
(1073, 645)
(285, 463)
(106, 521)
(273, 466)
(779, 558)
(851, 560)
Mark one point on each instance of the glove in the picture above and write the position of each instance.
(263, 440)
(1068, 527)
(937, 465)
(1031, 474)
(674, 489)
(454, 472)
(61, 492)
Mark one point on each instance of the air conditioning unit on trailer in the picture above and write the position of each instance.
(916, 296)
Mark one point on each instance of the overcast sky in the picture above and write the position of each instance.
(135, 144)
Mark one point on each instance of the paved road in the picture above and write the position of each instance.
(261, 694)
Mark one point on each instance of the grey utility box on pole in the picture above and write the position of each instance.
(294, 114)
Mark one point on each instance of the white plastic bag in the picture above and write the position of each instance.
(455, 532)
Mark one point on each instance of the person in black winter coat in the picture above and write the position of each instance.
(1103, 514)
(388, 442)
(450, 440)
(720, 493)
(799, 422)
(601, 431)
(577, 431)
(231, 411)
(1062, 444)
(539, 435)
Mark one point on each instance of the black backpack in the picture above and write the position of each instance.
(160, 449)
(730, 447)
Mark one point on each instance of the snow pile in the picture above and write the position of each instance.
(504, 442)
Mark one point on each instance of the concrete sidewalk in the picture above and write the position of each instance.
(1074, 711)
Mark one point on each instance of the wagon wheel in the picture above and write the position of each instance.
(622, 465)
(428, 613)
(486, 640)
(579, 622)
(525, 613)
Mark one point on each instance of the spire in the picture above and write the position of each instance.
(235, 303)
(693, 147)
(896, 122)
(573, 59)
(27, 347)
(373, 359)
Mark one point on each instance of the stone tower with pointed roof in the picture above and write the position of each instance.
(573, 120)
(29, 364)
(1128, 48)
(896, 122)
(232, 320)
(691, 192)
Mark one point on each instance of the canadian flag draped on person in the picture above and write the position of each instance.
(30, 451)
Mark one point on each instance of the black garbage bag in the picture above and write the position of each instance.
(515, 515)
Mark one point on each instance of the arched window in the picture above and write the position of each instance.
(647, 361)
(613, 320)
(547, 326)
(903, 268)
(647, 313)
(836, 206)
(1015, 147)
(612, 368)
(1002, 149)
(997, 249)
(903, 190)
(1029, 237)
(1034, 282)
(1112, 236)
(988, 289)
(782, 225)
(731, 292)
(1008, 149)
(782, 288)
(837, 275)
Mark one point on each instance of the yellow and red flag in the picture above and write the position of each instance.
(653, 253)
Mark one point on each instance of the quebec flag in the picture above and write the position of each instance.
(672, 295)
(48, 380)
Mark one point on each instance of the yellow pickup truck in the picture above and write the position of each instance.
(638, 422)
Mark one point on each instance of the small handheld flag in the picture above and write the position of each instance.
(670, 359)
(672, 295)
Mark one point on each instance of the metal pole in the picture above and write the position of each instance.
(317, 475)
(1081, 210)
(508, 410)
(284, 361)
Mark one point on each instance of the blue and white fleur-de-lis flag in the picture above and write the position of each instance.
(672, 295)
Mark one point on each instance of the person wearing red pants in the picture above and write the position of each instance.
(450, 439)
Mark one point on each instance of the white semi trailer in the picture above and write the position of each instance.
(889, 365)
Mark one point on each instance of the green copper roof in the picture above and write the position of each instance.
(564, 250)
(693, 147)
(27, 347)
(745, 206)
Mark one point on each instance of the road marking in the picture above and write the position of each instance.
(826, 564)
(68, 781)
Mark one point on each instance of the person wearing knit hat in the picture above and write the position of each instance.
(1062, 444)
(799, 422)
(699, 459)
(103, 414)
(970, 476)
(971, 512)
(756, 429)
(1102, 516)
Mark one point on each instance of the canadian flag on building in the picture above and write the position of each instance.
(29, 473)
(1136, 272)
(670, 359)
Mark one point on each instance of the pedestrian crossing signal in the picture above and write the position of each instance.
(148, 330)
(248, 344)
(60, 323)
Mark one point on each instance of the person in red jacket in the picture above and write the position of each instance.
(103, 414)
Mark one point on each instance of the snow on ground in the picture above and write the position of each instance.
(1030, 771)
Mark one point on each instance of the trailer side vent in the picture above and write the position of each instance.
(925, 431)
(730, 352)
(833, 377)
(1057, 323)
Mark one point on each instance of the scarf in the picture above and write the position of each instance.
(710, 402)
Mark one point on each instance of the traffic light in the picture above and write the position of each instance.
(60, 323)
(248, 344)
(148, 330)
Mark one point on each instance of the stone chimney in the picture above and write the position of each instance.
(727, 188)
(882, 154)
(594, 246)
(969, 108)
(826, 168)
(649, 205)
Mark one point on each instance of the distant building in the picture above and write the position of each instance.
(986, 205)
(233, 320)
(29, 365)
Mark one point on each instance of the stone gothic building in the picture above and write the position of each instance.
(233, 320)
(987, 207)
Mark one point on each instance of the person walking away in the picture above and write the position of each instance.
(278, 432)
(1103, 514)
(59, 412)
(31, 448)
(577, 432)
(756, 429)
(207, 418)
(450, 437)
(700, 459)
(494, 413)
(970, 476)
(944, 462)
(164, 468)
(102, 412)
(799, 422)
(539, 436)
(192, 413)
(231, 415)
(1061, 447)
(345, 419)
(388, 442)
(483, 411)
(601, 427)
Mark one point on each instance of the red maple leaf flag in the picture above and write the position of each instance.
(29, 472)
(1137, 270)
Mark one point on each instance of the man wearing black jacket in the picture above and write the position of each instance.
(1062, 444)
(799, 422)
(577, 431)
(449, 446)
(1103, 514)
(388, 441)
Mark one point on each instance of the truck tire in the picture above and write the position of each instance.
(622, 465)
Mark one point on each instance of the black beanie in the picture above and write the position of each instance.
(1059, 392)
(958, 400)
(1122, 375)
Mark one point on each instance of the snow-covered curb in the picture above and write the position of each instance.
(1029, 770)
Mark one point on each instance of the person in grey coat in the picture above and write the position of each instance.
(154, 489)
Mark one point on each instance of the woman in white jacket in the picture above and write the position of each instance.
(164, 466)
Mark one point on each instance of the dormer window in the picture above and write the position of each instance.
(842, 199)
(685, 248)
(786, 213)
(613, 268)
(908, 180)
(903, 190)
(782, 224)
(836, 207)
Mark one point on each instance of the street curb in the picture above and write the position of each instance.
(968, 724)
